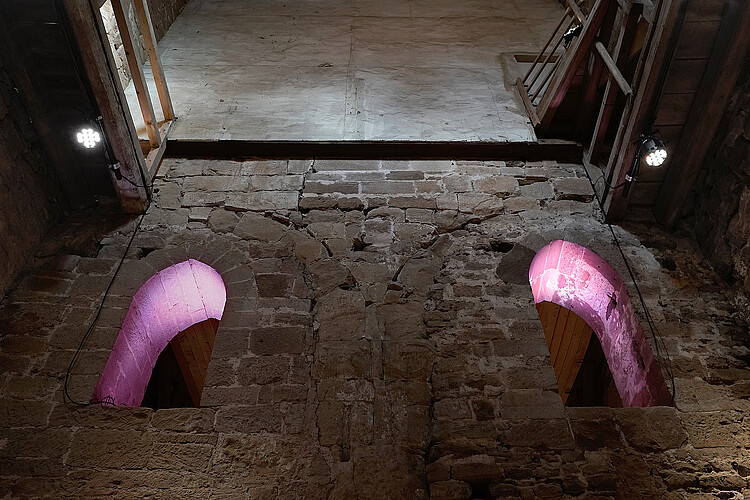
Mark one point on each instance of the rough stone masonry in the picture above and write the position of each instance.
(379, 340)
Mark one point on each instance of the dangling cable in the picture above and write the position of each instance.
(649, 319)
(108, 399)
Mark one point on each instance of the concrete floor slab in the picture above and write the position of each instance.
(328, 70)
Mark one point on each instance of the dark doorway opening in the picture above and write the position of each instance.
(180, 372)
(167, 387)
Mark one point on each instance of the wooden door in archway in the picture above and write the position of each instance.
(582, 372)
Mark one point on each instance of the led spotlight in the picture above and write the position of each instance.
(88, 137)
(653, 151)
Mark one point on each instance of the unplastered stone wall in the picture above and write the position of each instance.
(722, 211)
(28, 202)
(379, 341)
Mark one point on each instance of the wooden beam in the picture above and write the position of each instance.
(178, 347)
(105, 83)
(524, 93)
(541, 149)
(576, 11)
(593, 77)
(154, 157)
(729, 52)
(613, 70)
(136, 72)
(637, 111)
(149, 39)
(572, 59)
(624, 43)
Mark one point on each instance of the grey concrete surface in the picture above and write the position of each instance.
(330, 70)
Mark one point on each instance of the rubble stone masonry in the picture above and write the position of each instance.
(379, 340)
(722, 209)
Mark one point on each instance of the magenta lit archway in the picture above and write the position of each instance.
(576, 278)
(171, 301)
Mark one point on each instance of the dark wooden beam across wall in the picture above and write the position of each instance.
(729, 52)
(547, 149)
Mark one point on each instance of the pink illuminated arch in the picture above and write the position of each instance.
(171, 301)
(576, 278)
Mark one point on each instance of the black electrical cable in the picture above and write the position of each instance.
(601, 177)
(137, 185)
(649, 320)
(106, 400)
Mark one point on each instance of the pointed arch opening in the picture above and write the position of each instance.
(583, 284)
(168, 332)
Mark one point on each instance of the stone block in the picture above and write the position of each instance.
(715, 429)
(481, 205)
(538, 191)
(262, 370)
(457, 183)
(496, 185)
(346, 390)
(350, 203)
(388, 187)
(332, 187)
(413, 202)
(230, 343)
(531, 404)
(595, 433)
(35, 443)
(403, 320)
(203, 199)
(274, 284)
(215, 183)
(23, 413)
(110, 449)
(408, 360)
(549, 433)
(651, 429)
(414, 232)
(404, 175)
(450, 490)
(262, 200)
(451, 409)
(343, 359)
(398, 477)
(341, 315)
(438, 471)
(186, 456)
(168, 195)
(480, 468)
(328, 274)
(256, 227)
(308, 202)
(298, 166)
(571, 188)
(274, 183)
(248, 419)
(345, 165)
(222, 221)
(184, 419)
(278, 340)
